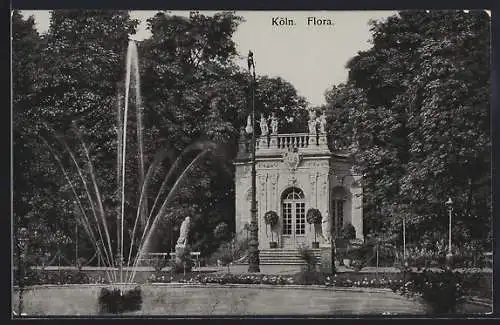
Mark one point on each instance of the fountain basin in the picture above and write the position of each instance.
(202, 300)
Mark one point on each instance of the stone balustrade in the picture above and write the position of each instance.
(282, 142)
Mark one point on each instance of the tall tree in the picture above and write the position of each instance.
(82, 62)
(25, 48)
(193, 91)
(424, 134)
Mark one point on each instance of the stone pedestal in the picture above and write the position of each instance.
(180, 250)
(327, 258)
(312, 140)
(322, 139)
(263, 142)
(273, 143)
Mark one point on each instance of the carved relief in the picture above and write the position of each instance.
(263, 192)
(292, 180)
(268, 164)
(292, 159)
(312, 179)
(323, 188)
(315, 164)
(273, 195)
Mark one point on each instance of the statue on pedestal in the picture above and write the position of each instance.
(326, 229)
(274, 124)
(322, 123)
(264, 130)
(312, 124)
(182, 241)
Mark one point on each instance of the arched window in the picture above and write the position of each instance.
(339, 196)
(293, 209)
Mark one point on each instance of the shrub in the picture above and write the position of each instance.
(229, 252)
(348, 232)
(36, 277)
(221, 231)
(183, 262)
(308, 257)
(308, 277)
(442, 291)
(158, 263)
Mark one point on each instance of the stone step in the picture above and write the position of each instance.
(284, 256)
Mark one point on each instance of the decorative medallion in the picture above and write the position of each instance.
(292, 158)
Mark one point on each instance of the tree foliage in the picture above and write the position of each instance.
(417, 108)
(68, 88)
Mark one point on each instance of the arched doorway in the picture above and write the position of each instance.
(293, 212)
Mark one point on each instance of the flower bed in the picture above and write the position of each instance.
(301, 278)
(37, 277)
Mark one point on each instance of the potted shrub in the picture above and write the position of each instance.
(271, 219)
(313, 217)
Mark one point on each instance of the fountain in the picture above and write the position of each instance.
(118, 298)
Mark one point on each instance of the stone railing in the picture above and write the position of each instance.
(280, 142)
(292, 140)
(297, 140)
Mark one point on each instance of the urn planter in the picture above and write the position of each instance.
(347, 262)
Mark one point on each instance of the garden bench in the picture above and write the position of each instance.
(196, 256)
(151, 257)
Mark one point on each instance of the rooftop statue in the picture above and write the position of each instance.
(264, 129)
(312, 124)
(322, 123)
(274, 124)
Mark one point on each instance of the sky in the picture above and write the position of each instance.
(311, 57)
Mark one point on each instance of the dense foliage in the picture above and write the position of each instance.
(415, 115)
(68, 85)
(443, 292)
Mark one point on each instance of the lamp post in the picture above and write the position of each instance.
(449, 256)
(253, 245)
(22, 241)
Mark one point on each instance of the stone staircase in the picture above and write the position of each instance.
(284, 256)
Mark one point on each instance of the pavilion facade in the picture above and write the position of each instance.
(296, 172)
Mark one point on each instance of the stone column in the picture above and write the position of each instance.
(357, 207)
(261, 190)
(312, 200)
